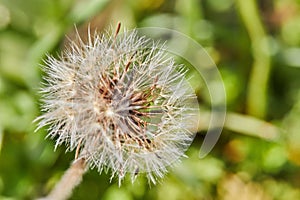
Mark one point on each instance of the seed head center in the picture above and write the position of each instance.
(109, 112)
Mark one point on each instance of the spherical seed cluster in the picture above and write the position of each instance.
(120, 102)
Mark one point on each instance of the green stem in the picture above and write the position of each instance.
(257, 91)
(244, 124)
(1, 138)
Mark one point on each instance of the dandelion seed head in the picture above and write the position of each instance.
(122, 102)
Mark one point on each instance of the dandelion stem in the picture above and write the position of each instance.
(68, 182)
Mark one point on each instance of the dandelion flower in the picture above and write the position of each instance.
(121, 102)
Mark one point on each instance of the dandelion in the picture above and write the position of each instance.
(121, 103)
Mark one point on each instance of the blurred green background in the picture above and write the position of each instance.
(256, 46)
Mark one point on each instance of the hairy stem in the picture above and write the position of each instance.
(71, 178)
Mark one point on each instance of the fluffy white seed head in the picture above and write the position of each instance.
(121, 102)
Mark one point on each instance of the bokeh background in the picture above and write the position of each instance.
(256, 46)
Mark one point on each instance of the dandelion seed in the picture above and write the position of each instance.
(120, 102)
